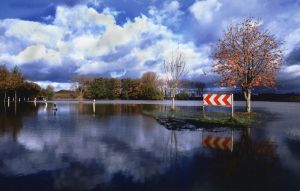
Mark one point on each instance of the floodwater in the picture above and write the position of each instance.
(114, 146)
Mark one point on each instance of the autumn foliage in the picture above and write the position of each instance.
(247, 56)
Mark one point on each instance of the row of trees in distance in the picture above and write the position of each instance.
(14, 85)
(147, 87)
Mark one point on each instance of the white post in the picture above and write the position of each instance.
(231, 140)
(203, 108)
(94, 106)
(232, 108)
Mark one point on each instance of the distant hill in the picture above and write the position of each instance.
(65, 94)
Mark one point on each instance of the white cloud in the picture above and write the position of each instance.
(204, 10)
(292, 39)
(33, 53)
(169, 13)
(95, 2)
(83, 36)
(292, 71)
(57, 85)
(116, 74)
(33, 32)
(94, 67)
(37, 53)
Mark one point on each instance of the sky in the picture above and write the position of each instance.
(53, 40)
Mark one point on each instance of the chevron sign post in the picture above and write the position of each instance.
(215, 142)
(225, 100)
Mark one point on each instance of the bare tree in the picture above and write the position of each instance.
(248, 56)
(150, 79)
(174, 69)
(81, 84)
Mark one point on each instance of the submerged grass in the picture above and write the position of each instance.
(240, 119)
(182, 119)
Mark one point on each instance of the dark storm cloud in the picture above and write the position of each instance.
(40, 71)
(151, 63)
(288, 85)
(149, 40)
(120, 52)
(33, 9)
(294, 56)
(276, 12)
(36, 9)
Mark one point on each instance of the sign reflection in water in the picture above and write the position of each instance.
(218, 140)
(121, 149)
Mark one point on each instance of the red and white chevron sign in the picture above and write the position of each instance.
(217, 99)
(224, 143)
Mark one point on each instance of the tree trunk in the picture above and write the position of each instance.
(173, 98)
(4, 96)
(81, 96)
(249, 132)
(173, 102)
(247, 95)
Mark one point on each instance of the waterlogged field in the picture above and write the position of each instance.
(115, 146)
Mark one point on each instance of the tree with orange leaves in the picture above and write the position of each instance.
(247, 56)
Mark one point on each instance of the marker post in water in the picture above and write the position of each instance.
(222, 100)
(94, 106)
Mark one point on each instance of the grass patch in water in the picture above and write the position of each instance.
(239, 119)
(218, 119)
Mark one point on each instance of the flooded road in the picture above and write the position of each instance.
(114, 146)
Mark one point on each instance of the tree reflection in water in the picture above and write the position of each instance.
(171, 151)
(11, 118)
(251, 165)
